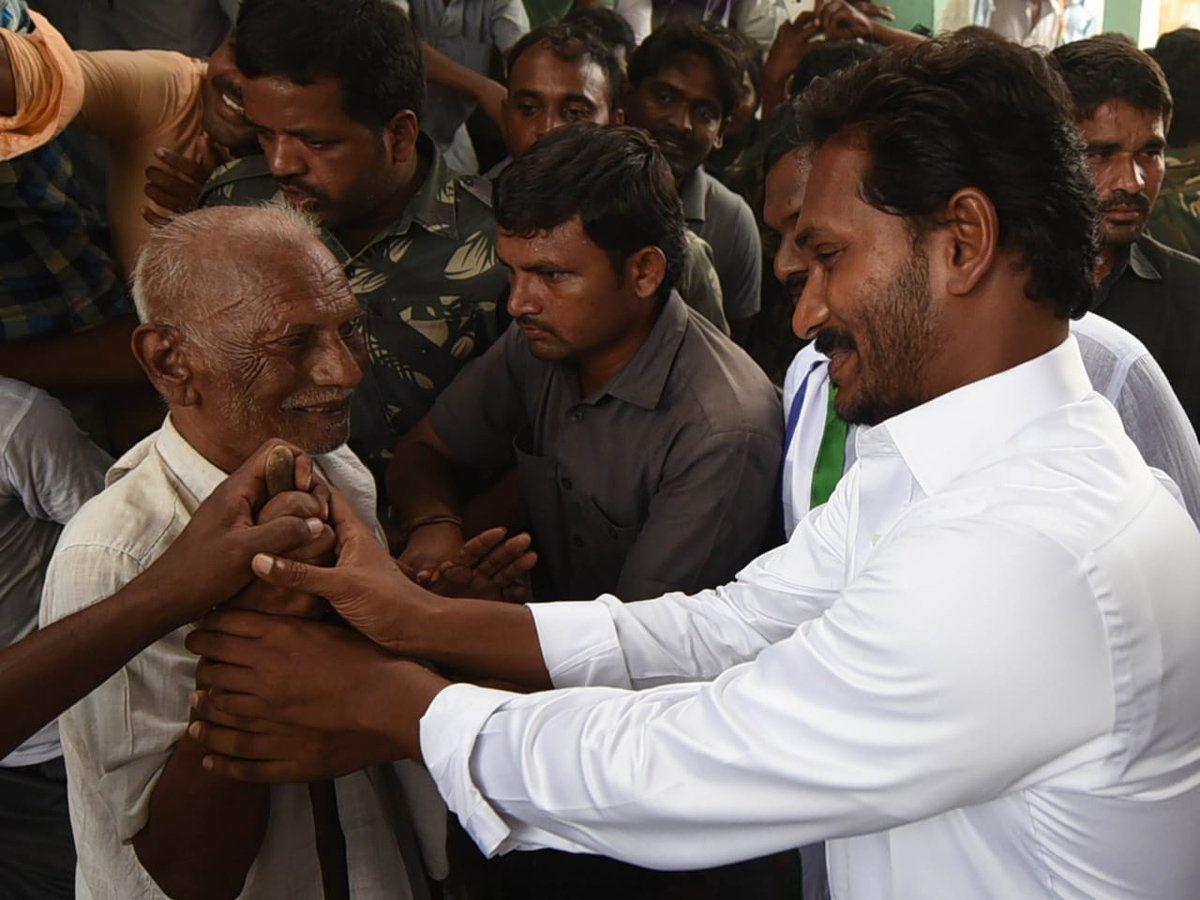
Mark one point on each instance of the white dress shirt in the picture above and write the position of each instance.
(48, 469)
(117, 740)
(1118, 364)
(973, 672)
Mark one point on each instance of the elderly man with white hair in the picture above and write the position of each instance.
(249, 331)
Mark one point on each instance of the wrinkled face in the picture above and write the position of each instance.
(565, 294)
(224, 118)
(1125, 151)
(858, 279)
(283, 358)
(325, 162)
(546, 92)
(680, 105)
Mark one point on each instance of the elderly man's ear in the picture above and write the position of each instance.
(162, 354)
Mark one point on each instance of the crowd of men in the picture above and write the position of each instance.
(673, 451)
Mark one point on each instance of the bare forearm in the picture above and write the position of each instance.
(53, 668)
(480, 638)
(98, 357)
(893, 37)
(204, 831)
(442, 70)
(422, 482)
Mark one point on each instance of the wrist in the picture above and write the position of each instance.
(435, 526)
(401, 698)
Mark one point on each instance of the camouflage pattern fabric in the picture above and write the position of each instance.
(1175, 219)
(431, 288)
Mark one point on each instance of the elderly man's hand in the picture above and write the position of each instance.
(367, 588)
(210, 560)
(310, 675)
(258, 751)
(487, 567)
(269, 598)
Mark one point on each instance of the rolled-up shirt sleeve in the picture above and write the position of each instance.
(49, 87)
(900, 703)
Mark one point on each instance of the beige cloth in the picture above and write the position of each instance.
(117, 740)
(135, 100)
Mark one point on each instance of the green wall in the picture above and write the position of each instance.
(1124, 16)
(913, 12)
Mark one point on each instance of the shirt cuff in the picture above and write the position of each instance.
(449, 730)
(579, 643)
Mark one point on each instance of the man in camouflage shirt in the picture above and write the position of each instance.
(1175, 219)
(337, 101)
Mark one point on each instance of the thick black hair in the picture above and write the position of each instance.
(748, 53)
(826, 57)
(939, 117)
(1178, 54)
(677, 39)
(571, 43)
(607, 25)
(1104, 68)
(613, 178)
(368, 45)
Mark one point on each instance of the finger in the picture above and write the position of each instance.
(287, 573)
(292, 503)
(515, 593)
(478, 547)
(194, 170)
(235, 679)
(154, 218)
(320, 490)
(303, 472)
(170, 183)
(516, 570)
(247, 706)
(218, 647)
(249, 480)
(169, 200)
(234, 742)
(281, 469)
(236, 622)
(253, 771)
(504, 555)
(279, 602)
(210, 714)
(282, 535)
(347, 525)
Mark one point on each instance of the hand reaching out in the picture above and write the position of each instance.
(487, 567)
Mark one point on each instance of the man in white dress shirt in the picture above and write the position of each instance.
(972, 672)
(249, 331)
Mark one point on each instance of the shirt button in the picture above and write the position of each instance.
(577, 416)
(566, 484)
(577, 540)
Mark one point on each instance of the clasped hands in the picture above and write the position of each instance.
(286, 692)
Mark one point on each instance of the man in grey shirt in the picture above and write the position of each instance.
(646, 443)
(685, 84)
(48, 468)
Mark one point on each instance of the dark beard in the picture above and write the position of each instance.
(901, 334)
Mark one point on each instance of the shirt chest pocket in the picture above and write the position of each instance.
(604, 545)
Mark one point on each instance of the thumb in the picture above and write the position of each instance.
(288, 573)
(281, 535)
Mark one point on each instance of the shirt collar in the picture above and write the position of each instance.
(693, 194)
(195, 474)
(1141, 265)
(644, 377)
(950, 435)
(433, 205)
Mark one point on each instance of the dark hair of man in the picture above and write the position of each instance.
(1103, 68)
(973, 33)
(1178, 54)
(939, 117)
(368, 45)
(571, 43)
(613, 178)
(610, 27)
(675, 40)
(826, 57)
(748, 53)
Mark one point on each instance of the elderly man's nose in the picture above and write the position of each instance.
(336, 366)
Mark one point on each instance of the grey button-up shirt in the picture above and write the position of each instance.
(664, 480)
(466, 31)
(726, 222)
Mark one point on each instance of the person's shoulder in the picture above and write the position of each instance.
(730, 391)
(1172, 264)
(244, 180)
(472, 199)
(727, 202)
(136, 515)
(1097, 335)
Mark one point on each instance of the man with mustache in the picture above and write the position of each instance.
(684, 87)
(1123, 108)
(972, 671)
(335, 92)
(249, 331)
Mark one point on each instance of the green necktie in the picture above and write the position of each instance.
(831, 455)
